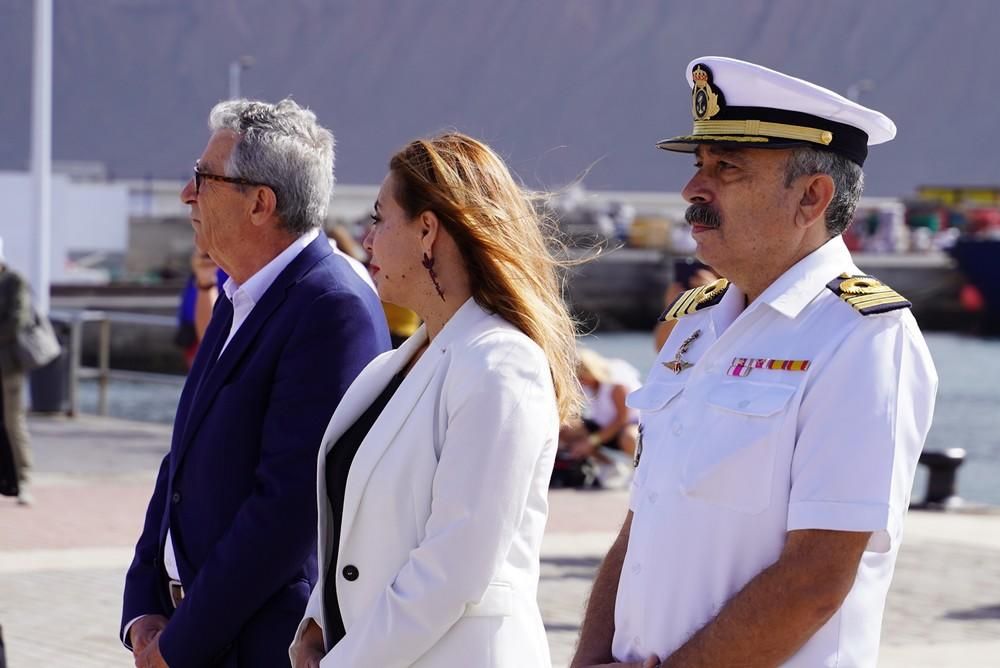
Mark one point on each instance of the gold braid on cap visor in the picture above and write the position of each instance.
(761, 128)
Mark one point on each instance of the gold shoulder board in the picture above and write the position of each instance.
(696, 299)
(866, 294)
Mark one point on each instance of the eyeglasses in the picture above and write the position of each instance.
(200, 176)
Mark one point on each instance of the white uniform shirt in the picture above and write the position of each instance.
(731, 463)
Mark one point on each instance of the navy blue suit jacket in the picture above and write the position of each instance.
(237, 489)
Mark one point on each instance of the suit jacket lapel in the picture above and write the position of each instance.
(213, 344)
(216, 374)
(205, 358)
(359, 396)
(387, 425)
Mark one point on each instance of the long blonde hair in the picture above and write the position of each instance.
(512, 270)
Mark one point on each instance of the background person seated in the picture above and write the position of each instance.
(599, 447)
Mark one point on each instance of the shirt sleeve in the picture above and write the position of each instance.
(861, 426)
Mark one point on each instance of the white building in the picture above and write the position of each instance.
(89, 223)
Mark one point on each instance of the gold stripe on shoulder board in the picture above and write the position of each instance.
(867, 295)
(695, 299)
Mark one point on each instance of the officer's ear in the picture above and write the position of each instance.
(817, 193)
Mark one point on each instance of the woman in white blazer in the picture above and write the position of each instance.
(433, 473)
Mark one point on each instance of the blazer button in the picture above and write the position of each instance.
(350, 573)
(176, 498)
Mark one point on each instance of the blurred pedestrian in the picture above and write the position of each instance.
(16, 314)
(197, 302)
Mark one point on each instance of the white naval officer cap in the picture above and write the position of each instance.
(741, 104)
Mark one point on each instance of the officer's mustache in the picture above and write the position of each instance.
(702, 214)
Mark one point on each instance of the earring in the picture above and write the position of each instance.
(428, 263)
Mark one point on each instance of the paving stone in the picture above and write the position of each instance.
(63, 560)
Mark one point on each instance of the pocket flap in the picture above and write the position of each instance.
(750, 398)
(496, 602)
(653, 396)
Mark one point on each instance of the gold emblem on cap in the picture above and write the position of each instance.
(704, 98)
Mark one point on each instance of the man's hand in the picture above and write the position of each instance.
(144, 630)
(308, 650)
(150, 657)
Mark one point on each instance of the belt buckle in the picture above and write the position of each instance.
(176, 592)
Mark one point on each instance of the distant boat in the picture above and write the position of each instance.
(978, 258)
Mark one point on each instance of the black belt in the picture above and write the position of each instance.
(176, 590)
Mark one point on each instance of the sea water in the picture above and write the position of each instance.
(967, 414)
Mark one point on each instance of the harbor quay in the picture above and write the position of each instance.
(63, 559)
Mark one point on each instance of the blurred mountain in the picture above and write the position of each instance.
(560, 87)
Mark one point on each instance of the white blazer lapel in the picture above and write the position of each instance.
(359, 396)
(384, 430)
(388, 424)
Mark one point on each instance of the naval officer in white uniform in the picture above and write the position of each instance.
(782, 422)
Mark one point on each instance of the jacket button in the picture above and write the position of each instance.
(176, 498)
(350, 573)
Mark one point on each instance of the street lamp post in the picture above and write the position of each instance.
(41, 152)
(235, 69)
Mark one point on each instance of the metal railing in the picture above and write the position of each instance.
(76, 319)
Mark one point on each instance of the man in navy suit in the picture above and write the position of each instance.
(226, 560)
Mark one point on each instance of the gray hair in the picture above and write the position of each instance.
(848, 179)
(281, 145)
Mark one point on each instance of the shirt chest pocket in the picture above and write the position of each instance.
(730, 462)
(651, 400)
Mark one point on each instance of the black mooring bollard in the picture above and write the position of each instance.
(942, 482)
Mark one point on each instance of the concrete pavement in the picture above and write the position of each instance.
(62, 561)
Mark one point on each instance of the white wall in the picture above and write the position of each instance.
(87, 217)
(161, 199)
